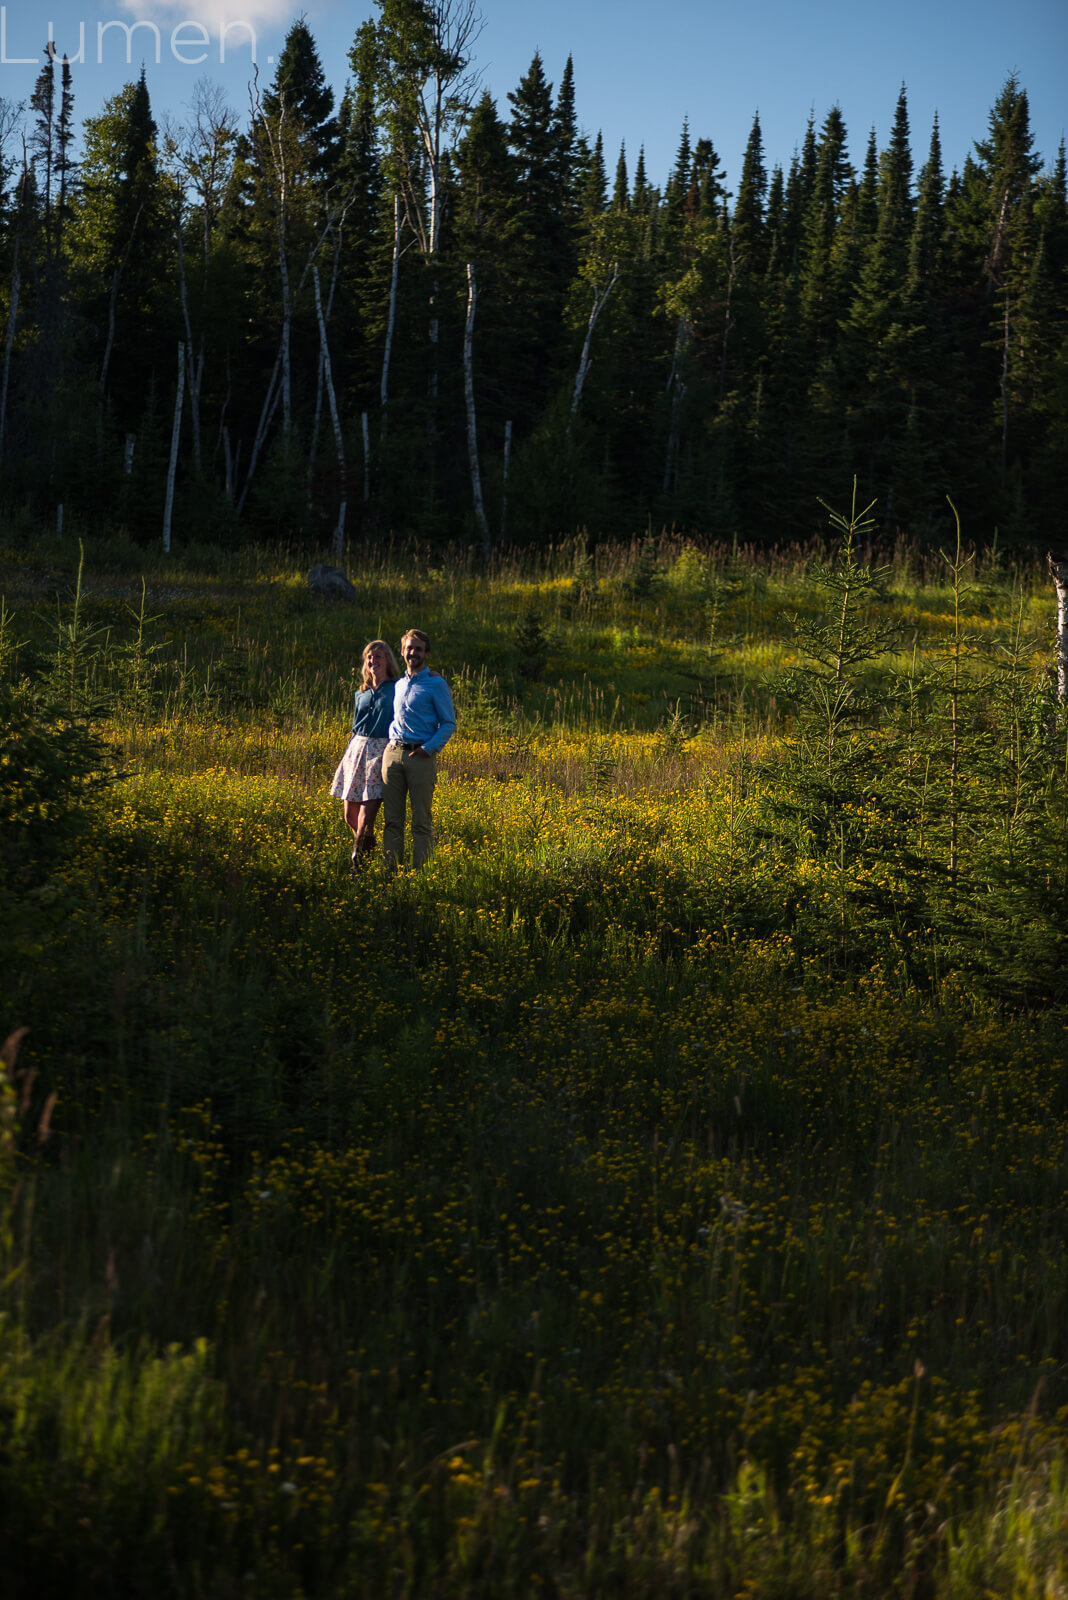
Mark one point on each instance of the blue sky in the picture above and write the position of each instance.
(638, 68)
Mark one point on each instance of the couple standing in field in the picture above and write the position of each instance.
(400, 722)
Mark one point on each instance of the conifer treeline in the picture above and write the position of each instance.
(423, 313)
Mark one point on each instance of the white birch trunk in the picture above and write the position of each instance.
(1058, 568)
(112, 301)
(270, 406)
(469, 398)
(339, 531)
(172, 466)
(391, 316)
(599, 298)
(194, 368)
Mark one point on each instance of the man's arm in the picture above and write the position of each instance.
(446, 715)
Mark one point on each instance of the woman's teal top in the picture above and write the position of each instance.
(373, 711)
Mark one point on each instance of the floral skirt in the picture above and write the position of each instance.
(359, 775)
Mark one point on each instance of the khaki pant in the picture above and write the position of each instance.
(406, 774)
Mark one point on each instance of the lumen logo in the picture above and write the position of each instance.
(188, 42)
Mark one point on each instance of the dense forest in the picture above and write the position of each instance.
(419, 312)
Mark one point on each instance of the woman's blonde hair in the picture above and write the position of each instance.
(392, 669)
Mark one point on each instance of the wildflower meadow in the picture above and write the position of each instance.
(661, 1193)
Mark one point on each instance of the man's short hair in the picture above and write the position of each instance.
(416, 633)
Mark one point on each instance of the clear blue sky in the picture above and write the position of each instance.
(639, 69)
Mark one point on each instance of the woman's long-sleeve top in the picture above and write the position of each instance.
(373, 711)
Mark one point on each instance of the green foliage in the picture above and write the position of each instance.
(532, 643)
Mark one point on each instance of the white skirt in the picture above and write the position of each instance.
(359, 775)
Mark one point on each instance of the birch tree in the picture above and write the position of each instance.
(425, 83)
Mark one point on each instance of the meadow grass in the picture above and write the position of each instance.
(636, 1201)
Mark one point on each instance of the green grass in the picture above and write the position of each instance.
(631, 1203)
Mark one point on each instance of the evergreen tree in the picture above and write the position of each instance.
(121, 250)
(620, 190)
(543, 255)
(925, 247)
(301, 94)
(868, 193)
(1008, 165)
(566, 134)
(748, 217)
(894, 194)
(595, 182)
(642, 198)
(820, 293)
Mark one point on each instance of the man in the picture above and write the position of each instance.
(423, 723)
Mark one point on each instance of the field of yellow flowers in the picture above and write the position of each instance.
(663, 1193)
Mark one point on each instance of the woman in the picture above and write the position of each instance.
(358, 780)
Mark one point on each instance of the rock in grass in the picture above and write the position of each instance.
(330, 583)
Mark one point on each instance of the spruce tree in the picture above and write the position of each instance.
(894, 193)
(620, 189)
(300, 87)
(594, 197)
(747, 221)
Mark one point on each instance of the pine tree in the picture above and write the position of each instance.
(1008, 165)
(925, 247)
(620, 190)
(867, 196)
(894, 194)
(642, 198)
(565, 130)
(300, 90)
(748, 218)
(121, 249)
(43, 144)
(820, 291)
(594, 198)
(543, 253)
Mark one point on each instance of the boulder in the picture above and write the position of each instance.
(330, 583)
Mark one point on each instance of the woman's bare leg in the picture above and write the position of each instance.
(365, 829)
(352, 821)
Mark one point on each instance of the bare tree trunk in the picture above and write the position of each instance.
(391, 316)
(172, 466)
(504, 474)
(676, 388)
(194, 373)
(12, 317)
(727, 325)
(314, 446)
(366, 457)
(469, 398)
(112, 302)
(339, 531)
(1058, 569)
(599, 298)
(1005, 393)
(270, 406)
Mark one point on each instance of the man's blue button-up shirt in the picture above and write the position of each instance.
(422, 711)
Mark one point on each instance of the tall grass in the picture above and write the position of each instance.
(577, 1216)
